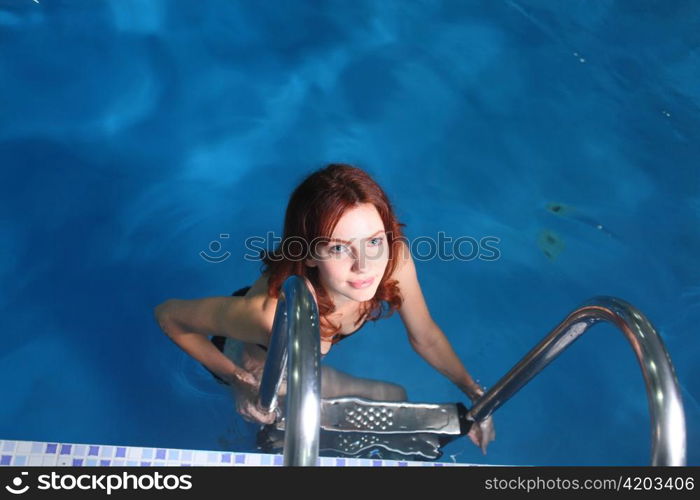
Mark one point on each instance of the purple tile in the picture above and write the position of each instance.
(186, 465)
(340, 462)
(51, 448)
(403, 464)
(5, 459)
(145, 464)
(438, 465)
(121, 452)
(94, 450)
(78, 461)
(104, 463)
(160, 454)
(376, 463)
(240, 459)
(278, 459)
(226, 458)
(65, 449)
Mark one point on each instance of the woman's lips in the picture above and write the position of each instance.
(361, 284)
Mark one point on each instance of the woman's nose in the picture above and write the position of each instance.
(360, 263)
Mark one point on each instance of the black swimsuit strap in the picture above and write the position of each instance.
(240, 292)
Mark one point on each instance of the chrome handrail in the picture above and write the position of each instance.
(295, 335)
(663, 393)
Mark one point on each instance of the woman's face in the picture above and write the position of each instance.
(352, 263)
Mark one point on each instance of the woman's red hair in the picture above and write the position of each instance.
(313, 211)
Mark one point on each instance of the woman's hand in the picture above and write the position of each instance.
(482, 433)
(247, 395)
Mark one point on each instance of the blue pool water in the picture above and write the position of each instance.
(134, 133)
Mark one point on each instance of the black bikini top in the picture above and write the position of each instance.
(336, 338)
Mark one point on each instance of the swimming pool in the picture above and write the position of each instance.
(135, 135)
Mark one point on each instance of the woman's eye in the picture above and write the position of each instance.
(337, 249)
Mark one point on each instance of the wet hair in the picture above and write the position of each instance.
(313, 211)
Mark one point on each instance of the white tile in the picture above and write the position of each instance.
(23, 447)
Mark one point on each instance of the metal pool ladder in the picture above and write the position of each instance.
(296, 337)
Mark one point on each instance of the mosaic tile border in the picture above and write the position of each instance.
(40, 453)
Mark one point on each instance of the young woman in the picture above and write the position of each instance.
(341, 234)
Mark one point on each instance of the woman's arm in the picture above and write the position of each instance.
(431, 343)
(188, 323)
(439, 353)
(433, 346)
(426, 337)
(195, 344)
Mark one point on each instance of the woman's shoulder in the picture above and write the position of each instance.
(403, 258)
(264, 305)
(259, 287)
(258, 294)
(414, 309)
(259, 290)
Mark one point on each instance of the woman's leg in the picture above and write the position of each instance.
(335, 384)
